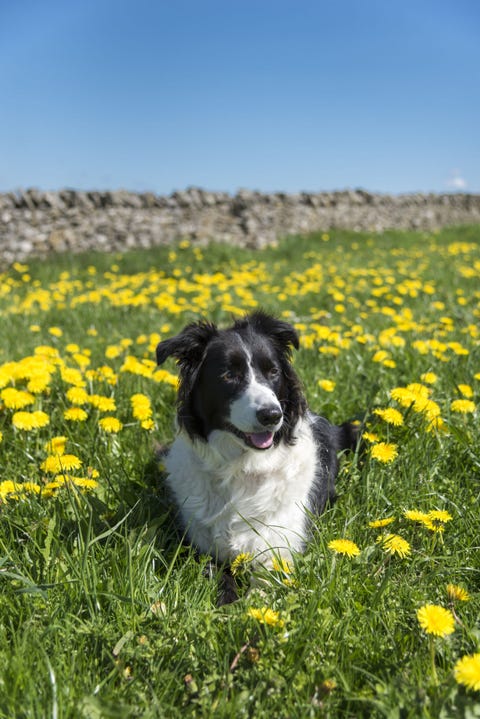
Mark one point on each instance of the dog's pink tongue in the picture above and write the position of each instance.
(261, 440)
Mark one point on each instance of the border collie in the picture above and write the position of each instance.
(250, 462)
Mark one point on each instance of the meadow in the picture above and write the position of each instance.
(106, 612)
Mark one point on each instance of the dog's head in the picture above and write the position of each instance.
(239, 380)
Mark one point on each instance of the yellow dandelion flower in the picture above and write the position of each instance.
(30, 420)
(377, 523)
(464, 406)
(436, 620)
(84, 482)
(142, 409)
(282, 565)
(326, 384)
(56, 445)
(416, 515)
(440, 515)
(32, 487)
(75, 414)
(429, 377)
(240, 562)
(110, 424)
(465, 390)
(467, 671)
(40, 419)
(384, 452)
(394, 544)
(390, 416)
(15, 398)
(113, 351)
(77, 395)
(55, 463)
(1, 436)
(39, 382)
(344, 546)
(55, 331)
(71, 375)
(454, 592)
(163, 375)
(265, 615)
(147, 424)
(370, 437)
(103, 404)
(418, 389)
(7, 489)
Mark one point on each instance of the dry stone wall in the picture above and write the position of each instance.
(34, 223)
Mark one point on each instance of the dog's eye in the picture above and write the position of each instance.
(231, 375)
(273, 373)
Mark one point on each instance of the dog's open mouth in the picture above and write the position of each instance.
(256, 440)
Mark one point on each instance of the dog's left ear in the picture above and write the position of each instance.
(281, 332)
(188, 347)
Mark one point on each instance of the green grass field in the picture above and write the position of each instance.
(106, 613)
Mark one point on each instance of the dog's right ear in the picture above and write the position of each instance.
(189, 346)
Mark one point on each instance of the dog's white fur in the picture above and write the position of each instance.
(234, 500)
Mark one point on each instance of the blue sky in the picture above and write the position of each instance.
(274, 95)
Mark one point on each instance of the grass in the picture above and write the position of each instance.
(105, 612)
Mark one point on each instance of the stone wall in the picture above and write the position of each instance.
(34, 223)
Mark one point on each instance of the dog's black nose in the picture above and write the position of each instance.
(269, 416)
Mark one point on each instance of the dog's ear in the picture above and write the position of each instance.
(188, 347)
(282, 333)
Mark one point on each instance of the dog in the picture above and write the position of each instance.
(251, 464)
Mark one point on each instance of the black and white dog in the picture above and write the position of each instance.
(250, 462)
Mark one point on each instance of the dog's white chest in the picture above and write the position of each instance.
(251, 501)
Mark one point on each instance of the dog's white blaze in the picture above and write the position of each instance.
(234, 500)
(243, 411)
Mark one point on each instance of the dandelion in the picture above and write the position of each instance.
(75, 414)
(56, 445)
(440, 515)
(456, 593)
(429, 377)
(142, 409)
(265, 615)
(326, 384)
(436, 620)
(384, 452)
(77, 395)
(16, 399)
(467, 671)
(394, 544)
(103, 404)
(58, 463)
(370, 437)
(8, 488)
(55, 331)
(73, 376)
(30, 420)
(377, 523)
(84, 482)
(463, 406)
(390, 416)
(240, 562)
(465, 390)
(344, 546)
(415, 515)
(282, 565)
(111, 425)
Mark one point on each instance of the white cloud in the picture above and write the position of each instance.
(456, 181)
